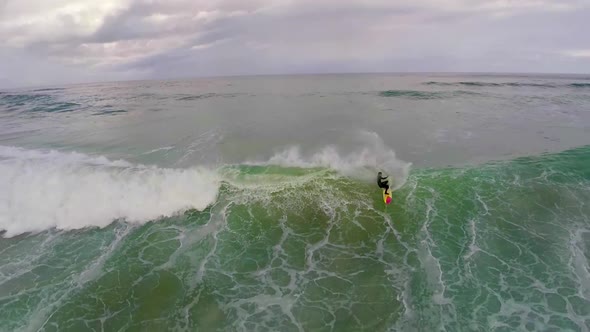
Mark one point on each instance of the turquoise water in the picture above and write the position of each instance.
(249, 204)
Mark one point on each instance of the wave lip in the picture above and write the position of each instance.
(44, 190)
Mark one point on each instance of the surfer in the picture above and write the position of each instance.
(381, 183)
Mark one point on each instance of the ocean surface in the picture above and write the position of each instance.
(250, 204)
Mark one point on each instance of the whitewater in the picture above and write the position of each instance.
(65, 191)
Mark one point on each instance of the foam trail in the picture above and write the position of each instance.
(579, 261)
(361, 163)
(42, 190)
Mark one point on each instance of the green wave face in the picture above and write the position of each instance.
(502, 246)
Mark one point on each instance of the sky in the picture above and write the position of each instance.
(47, 42)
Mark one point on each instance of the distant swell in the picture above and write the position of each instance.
(110, 112)
(490, 84)
(49, 89)
(205, 96)
(507, 84)
(36, 103)
(424, 95)
(412, 94)
(23, 98)
(56, 107)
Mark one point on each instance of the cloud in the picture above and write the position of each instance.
(578, 53)
(158, 38)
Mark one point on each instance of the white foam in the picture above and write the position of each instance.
(361, 163)
(56, 157)
(165, 148)
(473, 248)
(579, 261)
(41, 190)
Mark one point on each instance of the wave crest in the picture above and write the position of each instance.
(361, 163)
(43, 190)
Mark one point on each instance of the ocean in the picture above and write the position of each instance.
(251, 204)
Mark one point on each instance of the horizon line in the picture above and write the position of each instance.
(584, 76)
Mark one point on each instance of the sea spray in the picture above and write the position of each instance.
(363, 162)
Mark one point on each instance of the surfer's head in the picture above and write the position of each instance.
(379, 173)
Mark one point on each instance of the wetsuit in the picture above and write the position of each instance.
(383, 184)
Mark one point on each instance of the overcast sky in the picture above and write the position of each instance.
(46, 42)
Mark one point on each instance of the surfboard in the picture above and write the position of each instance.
(387, 198)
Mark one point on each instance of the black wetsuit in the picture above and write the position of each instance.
(383, 184)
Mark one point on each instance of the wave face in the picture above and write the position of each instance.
(65, 191)
(292, 243)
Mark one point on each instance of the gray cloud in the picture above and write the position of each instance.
(120, 39)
